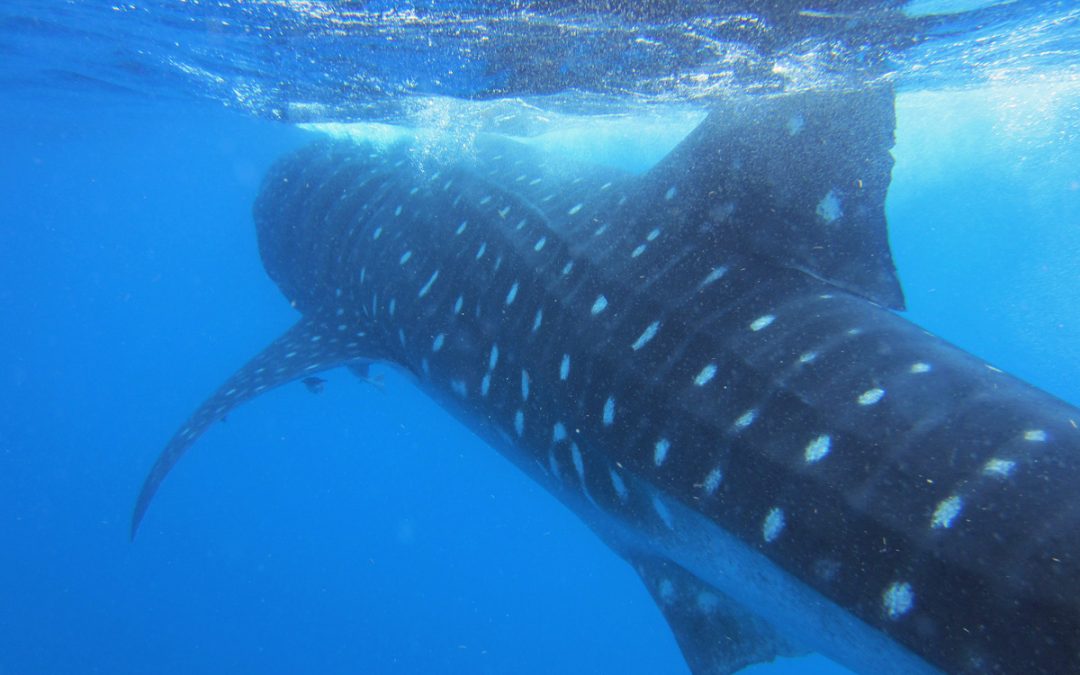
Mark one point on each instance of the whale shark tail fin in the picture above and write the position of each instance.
(302, 351)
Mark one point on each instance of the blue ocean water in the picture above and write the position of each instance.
(361, 530)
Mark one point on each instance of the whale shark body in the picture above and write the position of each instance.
(705, 364)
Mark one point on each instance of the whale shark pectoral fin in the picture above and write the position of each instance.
(305, 349)
(717, 635)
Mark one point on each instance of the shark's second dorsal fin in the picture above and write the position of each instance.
(798, 180)
(302, 351)
(716, 635)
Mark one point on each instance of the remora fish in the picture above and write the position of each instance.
(703, 364)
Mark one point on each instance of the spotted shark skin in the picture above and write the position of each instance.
(704, 364)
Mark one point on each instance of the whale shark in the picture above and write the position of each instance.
(707, 363)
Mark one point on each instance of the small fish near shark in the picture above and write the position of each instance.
(316, 385)
(703, 362)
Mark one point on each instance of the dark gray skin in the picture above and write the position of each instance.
(703, 354)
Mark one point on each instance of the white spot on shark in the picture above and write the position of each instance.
(898, 599)
(828, 209)
(376, 234)
(817, 449)
(512, 294)
(437, 343)
(537, 320)
(762, 322)
(666, 590)
(745, 420)
(485, 384)
(619, 486)
(564, 367)
(558, 432)
(653, 234)
(480, 251)
(712, 481)
(795, 124)
(946, 512)
(871, 396)
(712, 276)
(458, 303)
(574, 210)
(920, 367)
(427, 286)
(707, 602)
(540, 244)
(999, 468)
(458, 386)
(519, 423)
(646, 335)
(705, 375)
(1035, 435)
(461, 228)
(524, 385)
(553, 464)
(660, 451)
(579, 464)
(405, 257)
(493, 357)
(773, 525)
(671, 192)
(637, 251)
(600, 305)
(609, 411)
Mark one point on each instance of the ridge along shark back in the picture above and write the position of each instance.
(702, 362)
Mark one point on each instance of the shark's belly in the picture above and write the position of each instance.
(743, 579)
(797, 459)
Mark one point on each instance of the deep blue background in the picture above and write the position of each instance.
(360, 531)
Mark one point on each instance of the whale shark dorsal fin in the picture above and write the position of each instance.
(302, 351)
(797, 180)
(716, 635)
